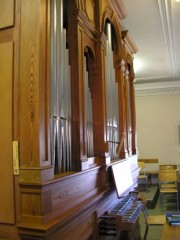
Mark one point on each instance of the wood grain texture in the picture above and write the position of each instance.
(33, 84)
(6, 13)
(6, 118)
(60, 207)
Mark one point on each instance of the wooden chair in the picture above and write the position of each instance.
(143, 180)
(167, 167)
(168, 185)
(150, 220)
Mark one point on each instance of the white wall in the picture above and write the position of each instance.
(157, 119)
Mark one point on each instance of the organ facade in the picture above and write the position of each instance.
(67, 116)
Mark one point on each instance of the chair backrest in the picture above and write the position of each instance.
(142, 166)
(167, 176)
(166, 166)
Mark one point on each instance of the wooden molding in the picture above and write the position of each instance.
(36, 175)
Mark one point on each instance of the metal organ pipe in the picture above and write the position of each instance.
(60, 92)
(129, 117)
(88, 113)
(112, 97)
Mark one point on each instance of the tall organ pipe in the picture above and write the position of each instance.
(112, 97)
(88, 113)
(60, 92)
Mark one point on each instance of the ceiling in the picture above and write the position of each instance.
(155, 27)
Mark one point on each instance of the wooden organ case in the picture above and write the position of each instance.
(68, 109)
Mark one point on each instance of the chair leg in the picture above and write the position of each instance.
(147, 187)
(161, 201)
(146, 232)
(177, 199)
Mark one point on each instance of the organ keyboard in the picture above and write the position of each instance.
(122, 217)
(122, 221)
(125, 213)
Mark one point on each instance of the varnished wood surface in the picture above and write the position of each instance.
(6, 13)
(62, 207)
(6, 158)
(170, 232)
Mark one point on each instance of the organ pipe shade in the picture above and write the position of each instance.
(111, 97)
(60, 92)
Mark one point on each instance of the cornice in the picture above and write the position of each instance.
(157, 91)
(129, 42)
(119, 7)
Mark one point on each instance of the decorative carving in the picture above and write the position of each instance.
(31, 89)
(123, 68)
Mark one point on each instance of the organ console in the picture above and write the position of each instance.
(123, 217)
(127, 211)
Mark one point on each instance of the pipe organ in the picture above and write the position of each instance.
(60, 92)
(112, 97)
(67, 69)
(129, 123)
(88, 112)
